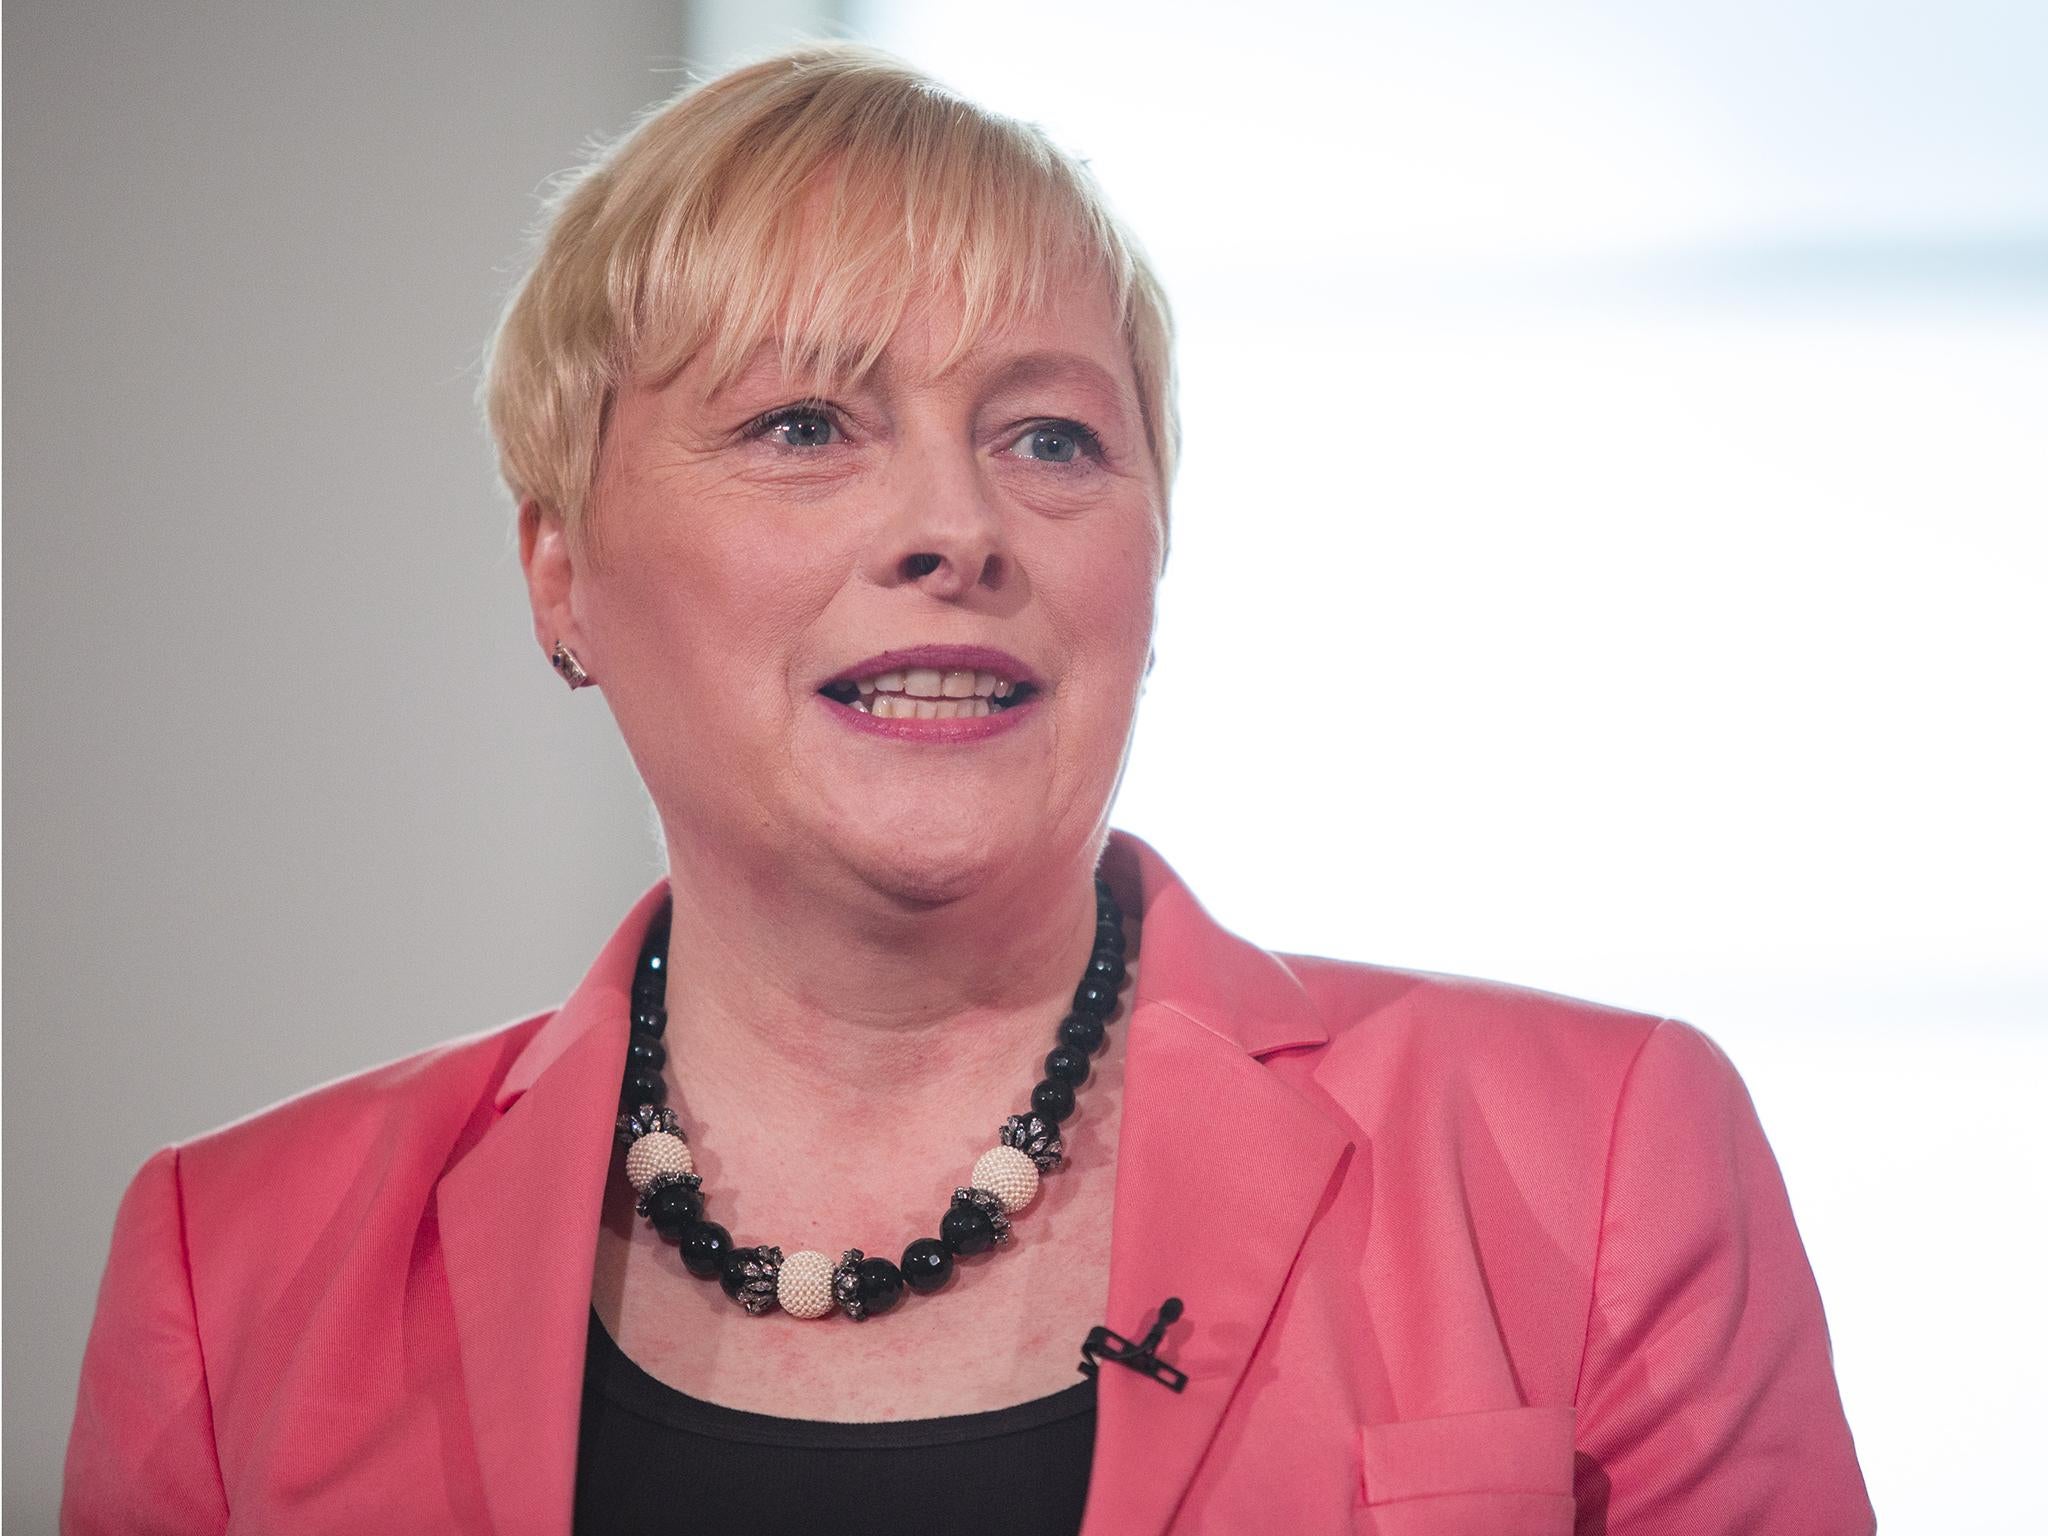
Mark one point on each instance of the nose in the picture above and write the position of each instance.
(944, 532)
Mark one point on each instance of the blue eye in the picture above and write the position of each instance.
(796, 426)
(1056, 442)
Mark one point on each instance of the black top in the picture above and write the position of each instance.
(651, 1458)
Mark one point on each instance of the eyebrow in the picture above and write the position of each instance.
(1024, 370)
(1030, 368)
(761, 367)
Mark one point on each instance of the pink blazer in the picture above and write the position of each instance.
(1456, 1258)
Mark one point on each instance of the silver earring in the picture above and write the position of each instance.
(571, 669)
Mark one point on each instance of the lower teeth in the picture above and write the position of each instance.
(893, 706)
(902, 706)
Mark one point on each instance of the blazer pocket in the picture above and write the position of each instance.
(1503, 1472)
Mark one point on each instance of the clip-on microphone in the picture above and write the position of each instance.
(1139, 1357)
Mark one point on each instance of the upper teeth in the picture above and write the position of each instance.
(931, 683)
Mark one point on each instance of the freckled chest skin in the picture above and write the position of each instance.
(1005, 1329)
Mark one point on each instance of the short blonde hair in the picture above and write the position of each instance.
(702, 228)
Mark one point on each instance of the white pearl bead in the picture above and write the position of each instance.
(655, 1154)
(1007, 1174)
(804, 1285)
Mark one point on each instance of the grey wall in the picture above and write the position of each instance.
(289, 790)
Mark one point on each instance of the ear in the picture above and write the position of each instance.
(550, 567)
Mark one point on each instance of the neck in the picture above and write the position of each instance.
(837, 1017)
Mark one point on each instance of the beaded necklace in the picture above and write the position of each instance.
(807, 1283)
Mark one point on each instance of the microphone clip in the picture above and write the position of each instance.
(1140, 1357)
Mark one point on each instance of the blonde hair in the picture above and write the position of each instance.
(700, 231)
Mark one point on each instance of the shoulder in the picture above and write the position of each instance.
(1423, 1055)
(393, 1128)
(1464, 1022)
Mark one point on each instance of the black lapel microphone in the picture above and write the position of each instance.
(1140, 1357)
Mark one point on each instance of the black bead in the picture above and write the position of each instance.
(1065, 1064)
(1109, 939)
(650, 1021)
(1093, 997)
(704, 1245)
(645, 1051)
(1107, 969)
(927, 1265)
(1053, 1099)
(644, 1087)
(652, 971)
(672, 1208)
(881, 1285)
(966, 1230)
(1082, 1032)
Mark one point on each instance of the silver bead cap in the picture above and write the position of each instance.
(645, 1120)
(1036, 1137)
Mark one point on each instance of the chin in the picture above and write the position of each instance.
(931, 865)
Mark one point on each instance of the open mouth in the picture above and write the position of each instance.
(929, 693)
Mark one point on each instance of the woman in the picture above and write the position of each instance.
(839, 416)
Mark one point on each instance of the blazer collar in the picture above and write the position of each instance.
(1201, 970)
(1221, 1167)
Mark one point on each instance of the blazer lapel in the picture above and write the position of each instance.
(1221, 1167)
(518, 1215)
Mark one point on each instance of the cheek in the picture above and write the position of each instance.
(716, 597)
(1103, 604)
(1105, 600)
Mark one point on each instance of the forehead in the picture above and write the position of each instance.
(1071, 335)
